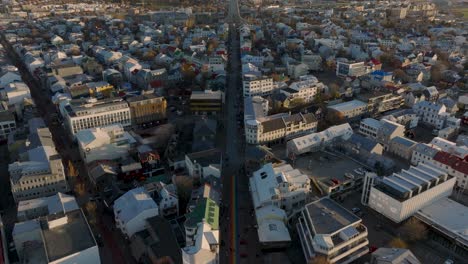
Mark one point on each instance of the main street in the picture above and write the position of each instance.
(238, 235)
(114, 250)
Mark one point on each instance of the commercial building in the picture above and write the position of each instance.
(104, 143)
(132, 209)
(349, 110)
(90, 113)
(57, 238)
(51, 205)
(206, 102)
(402, 194)
(447, 220)
(147, 108)
(317, 141)
(281, 186)
(254, 85)
(39, 171)
(327, 229)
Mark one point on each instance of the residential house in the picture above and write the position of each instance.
(132, 209)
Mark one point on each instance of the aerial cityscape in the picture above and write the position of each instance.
(234, 132)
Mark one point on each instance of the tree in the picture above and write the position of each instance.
(335, 117)
(296, 102)
(413, 230)
(397, 243)
(334, 90)
(319, 260)
(401, 75)
(436, 71)
(91, 210)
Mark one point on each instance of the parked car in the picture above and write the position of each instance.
(356, 209)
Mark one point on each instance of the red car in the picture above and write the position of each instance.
(243, 242)
(372, 249)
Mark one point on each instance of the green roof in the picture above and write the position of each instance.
(206, 209)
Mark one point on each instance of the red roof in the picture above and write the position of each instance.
(452, 161)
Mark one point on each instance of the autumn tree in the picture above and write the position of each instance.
(334, 90)
(413, 230)
(436, 71)
(401, 75)
(397, 243)
(335, 117)
(320, 259)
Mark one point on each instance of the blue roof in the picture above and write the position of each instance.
(381, 73)
(404, 141)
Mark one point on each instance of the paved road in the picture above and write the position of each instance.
(239, 239)
(114, 250)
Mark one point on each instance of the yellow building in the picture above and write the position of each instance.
(147, 108)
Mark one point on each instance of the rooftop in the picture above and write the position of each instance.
(207, 210)
(329, 217)
(133, 203)
(348, 106)
(67, 239)
(449, 216)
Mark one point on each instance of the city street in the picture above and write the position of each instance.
(68, 151)
(239, 240)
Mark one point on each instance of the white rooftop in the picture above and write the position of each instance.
(449, 216)
(348, 106)
(132, 203)
(371, 122)
(56, 204)
(271, 226)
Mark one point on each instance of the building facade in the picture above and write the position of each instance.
(147, 108)
(256, 85)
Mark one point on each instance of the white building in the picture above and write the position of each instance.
(351, 69)
(132, 209)
(56, 204)
(402, 194)
(281, 186)
(275, 128)
(64, 238)
(272, 230)
(453, 165)
(423, 153)
(431, 113)
(306, 88)
(256, 85)
(104, 143)
(15, 93)
(369, 127)
(83, 114)
(350, 109)
(39, 171)
(206, 247)
(316, 141)
(327, 229)
(460, 151)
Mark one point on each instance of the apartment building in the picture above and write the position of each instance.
(90, 113)
(305, 89)
(39, 172)
(254, 85)
(453, 165)
(379, 102)
(279, 127)
(327, 229)
(431, 113)
(402, 194)
(147, 108)
(423, 153)
(281, 186)
(369, 127)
